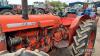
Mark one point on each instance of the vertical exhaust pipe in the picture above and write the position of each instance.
(25, 9)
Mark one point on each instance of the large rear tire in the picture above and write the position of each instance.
(84, 39)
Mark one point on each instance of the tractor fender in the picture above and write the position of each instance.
(72, 29)
(74, 25)
(85, 17)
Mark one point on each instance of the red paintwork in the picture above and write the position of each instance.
(67, 21)
(72, 29)
(70, 24)
(72, 15)
(43, 20)
(73, 23)
(91, 40)
(3, 46)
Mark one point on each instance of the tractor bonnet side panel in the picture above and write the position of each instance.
(67, 21)
(15, 22)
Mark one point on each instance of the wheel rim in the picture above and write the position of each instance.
(90, 45)
(91, 40)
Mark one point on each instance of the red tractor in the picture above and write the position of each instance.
(44, 32)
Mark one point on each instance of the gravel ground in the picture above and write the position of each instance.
(60, 52)
(97, 43)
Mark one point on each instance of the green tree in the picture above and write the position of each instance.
(65, 5)
(58, 4)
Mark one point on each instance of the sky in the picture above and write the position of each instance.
(30, 2)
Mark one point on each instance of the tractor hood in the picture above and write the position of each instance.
(16, 22)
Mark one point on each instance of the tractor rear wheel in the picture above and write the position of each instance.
(7, 12)
(84, 39)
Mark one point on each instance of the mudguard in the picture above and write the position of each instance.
(74, 25)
